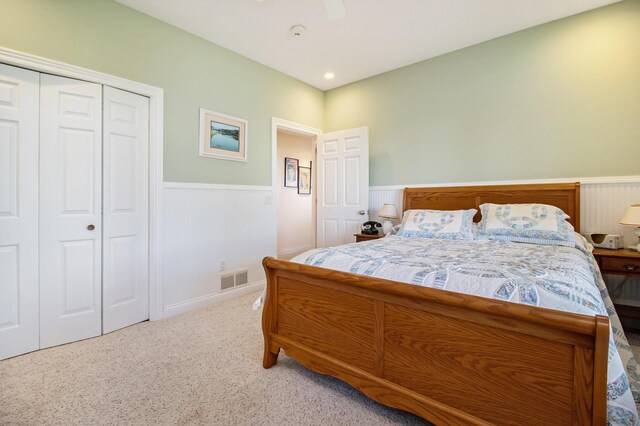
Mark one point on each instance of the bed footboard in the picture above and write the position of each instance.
(450, 358)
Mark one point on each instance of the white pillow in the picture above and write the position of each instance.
(527, 223)
(443, 224)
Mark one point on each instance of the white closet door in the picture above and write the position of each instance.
(126, 225)
(70, 210)
(19, 92)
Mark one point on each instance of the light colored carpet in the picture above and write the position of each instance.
(202, 367)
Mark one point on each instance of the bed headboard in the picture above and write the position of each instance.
(565, 196)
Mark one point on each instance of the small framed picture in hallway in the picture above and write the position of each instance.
(290, 172)
(304, 180)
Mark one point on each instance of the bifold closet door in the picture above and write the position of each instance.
(126, 206)
(70, 210)
(19, 92)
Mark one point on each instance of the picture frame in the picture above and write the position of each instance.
(223, 136)
(304, 180)
(291, 172)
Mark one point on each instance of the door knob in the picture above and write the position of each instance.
(362, 212)
(91, 227)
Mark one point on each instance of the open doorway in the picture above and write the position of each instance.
(295, 182)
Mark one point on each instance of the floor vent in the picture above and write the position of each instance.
(234, 279)
(227, 281)
(242, 277)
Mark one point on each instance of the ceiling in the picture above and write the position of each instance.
(376, 36)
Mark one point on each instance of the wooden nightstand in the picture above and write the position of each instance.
(620, 262)
(367, 237)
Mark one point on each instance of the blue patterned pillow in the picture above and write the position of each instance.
(442, 224)
(393, 231)
(526, 223)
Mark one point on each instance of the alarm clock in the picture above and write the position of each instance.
(607, 241)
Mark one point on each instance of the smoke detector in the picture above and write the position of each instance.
(296, 30)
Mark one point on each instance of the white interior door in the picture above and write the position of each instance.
(19, 93)
(343, 185)
(125, 285)
(70, 210)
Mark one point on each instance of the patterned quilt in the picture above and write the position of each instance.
(555, 277)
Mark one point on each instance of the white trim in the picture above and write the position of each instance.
(215, 186)
(279, 123)
(156, 132)
(294, 127)
(295, 250)
(583, 180)
(199, 302)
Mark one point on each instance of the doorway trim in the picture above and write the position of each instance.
(156, 132)
(276, 124)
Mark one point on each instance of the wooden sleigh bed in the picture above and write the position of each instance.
(450, 358)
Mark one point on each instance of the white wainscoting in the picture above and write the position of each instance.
(603, 202)
(205, 224)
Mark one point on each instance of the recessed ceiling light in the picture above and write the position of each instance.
(329, 75)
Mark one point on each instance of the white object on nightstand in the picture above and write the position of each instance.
(387, 212)
(632, 218)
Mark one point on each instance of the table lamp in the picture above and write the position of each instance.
(388, 211)
(632, 218)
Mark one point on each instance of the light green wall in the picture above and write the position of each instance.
(105, 36)
(558, 100)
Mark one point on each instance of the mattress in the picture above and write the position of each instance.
(556, 277)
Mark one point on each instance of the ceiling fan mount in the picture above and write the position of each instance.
(335, 9)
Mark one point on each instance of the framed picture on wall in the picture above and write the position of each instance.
(304, 180)
(223, 136)
(290, 172)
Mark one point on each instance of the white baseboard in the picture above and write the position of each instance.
(295, 250)
(210, 299)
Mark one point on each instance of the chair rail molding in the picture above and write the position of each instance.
(582, 180)
(156, 132)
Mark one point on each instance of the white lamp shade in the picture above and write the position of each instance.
(632, 216)
(388, 211)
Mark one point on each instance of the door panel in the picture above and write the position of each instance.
(19, 103)
(70, 210)
(343, 185)
(77, 170)
(352, 181)
(126, 235)
(8, 168)
(77, 270)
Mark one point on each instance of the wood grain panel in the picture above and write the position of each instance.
(342, 326)
(379, 389)
(564, 196)
(469, 367)
(612, 265)
(600, 359)
(583, 384)
(522, 318)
